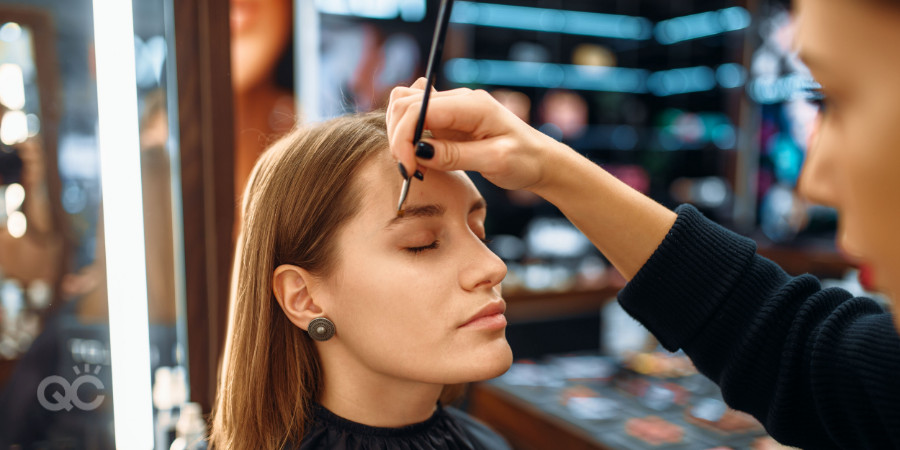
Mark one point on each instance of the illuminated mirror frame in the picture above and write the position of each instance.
(123, 222)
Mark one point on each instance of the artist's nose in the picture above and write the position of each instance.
(819, 177)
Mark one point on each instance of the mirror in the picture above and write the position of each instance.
(62, 308)
(32, 248)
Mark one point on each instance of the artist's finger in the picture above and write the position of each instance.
(400, 92)
(419, 83)
(488, 156)
(407, 100)
(404, 112)
(460, 111)
(401, 128)
(401, 144)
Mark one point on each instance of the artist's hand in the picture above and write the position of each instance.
(472, 131)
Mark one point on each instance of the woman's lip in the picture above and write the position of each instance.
(490, 314)
(491, 322)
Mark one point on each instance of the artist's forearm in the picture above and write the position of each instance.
(625, 225)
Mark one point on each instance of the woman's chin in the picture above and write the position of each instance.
(496, 364)
(501, 368)
(483, 365)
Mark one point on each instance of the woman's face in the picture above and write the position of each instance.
(854, 158)
(260, 31)
(405, 290)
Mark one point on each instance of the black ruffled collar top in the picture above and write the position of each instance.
(448, 428)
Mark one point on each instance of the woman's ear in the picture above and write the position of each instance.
(291, 285)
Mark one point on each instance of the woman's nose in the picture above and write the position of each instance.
(818, 179)
(483, 268)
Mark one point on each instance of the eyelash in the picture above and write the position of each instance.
(436, 244)
(417, 250)
(818, 98)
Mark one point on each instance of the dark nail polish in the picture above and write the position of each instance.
(419, 175)
(424, 150)
(402, 171)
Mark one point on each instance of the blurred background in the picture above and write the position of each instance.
(697, 101)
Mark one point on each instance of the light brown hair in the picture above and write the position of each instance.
(300, 193)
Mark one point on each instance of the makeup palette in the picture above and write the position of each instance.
(654, 430)
(622, 408)
(660, 364)
(713, 414)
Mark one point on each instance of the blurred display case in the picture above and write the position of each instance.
(648, 400)
(650, 90)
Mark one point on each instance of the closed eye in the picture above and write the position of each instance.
(417, 250)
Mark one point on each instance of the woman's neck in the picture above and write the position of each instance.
(357, 393)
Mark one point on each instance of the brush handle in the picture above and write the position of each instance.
(434, 61)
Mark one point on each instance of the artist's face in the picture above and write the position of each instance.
(854, 157)
(260, 31)
(405, 289)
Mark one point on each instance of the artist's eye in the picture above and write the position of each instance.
(417, 250)
(817, 97)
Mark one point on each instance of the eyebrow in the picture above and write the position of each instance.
(430, 210)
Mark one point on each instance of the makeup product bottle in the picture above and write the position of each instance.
(162, 400)
(191, 429)
(169, 391)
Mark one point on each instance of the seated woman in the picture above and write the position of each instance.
(350, 326)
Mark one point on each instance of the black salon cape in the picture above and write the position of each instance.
(818, 367)
(448, 428)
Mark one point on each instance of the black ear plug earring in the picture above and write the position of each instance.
(320, 329)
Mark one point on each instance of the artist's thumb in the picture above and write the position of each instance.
(454, 155)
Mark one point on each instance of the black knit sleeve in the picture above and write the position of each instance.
(816, 366)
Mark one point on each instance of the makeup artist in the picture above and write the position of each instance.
(816, 366)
